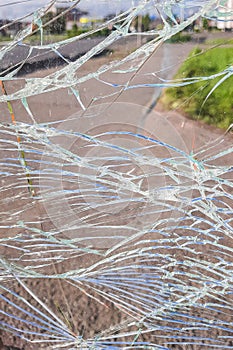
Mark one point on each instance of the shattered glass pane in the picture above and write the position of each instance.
(116, 214)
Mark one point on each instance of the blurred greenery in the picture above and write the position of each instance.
(75, 31)
(58, 25)
(179, 38)
(218, 108)
(205, 24)
(142, 23)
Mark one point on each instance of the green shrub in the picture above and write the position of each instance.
(75, 31)
(179, 38)
(190, 99)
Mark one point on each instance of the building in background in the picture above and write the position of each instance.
(72, 17)
(9, 28)
(226, 22)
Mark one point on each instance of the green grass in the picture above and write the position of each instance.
(53, 38)
(47, 38)
(218, 108)
(219, 41)
(5, 38)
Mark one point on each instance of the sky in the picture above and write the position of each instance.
(12, 9)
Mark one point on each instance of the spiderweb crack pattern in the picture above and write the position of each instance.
(115, 232)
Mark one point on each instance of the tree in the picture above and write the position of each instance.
(58, 26)
(205, 24)
(146, 23)
(142, 23)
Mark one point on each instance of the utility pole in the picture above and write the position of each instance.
(139, 30)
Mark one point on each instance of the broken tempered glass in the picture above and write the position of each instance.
(116, 216)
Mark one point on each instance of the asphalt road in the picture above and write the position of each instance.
(39, 57)
(114, 109)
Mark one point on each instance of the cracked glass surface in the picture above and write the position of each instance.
(116, 215)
